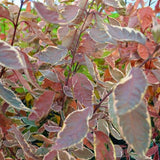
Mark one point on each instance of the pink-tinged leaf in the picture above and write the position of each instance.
(82, 89)
(152, 151)
(38, 32)
(52, 128)
(10, 57)
(42, 105)
(12, 99)
(125, 34)
(156, 73)
(135, 128)
(23, 143)
(129, 91)
(65, 155)
(101, 36)
(29, 71)
(112, 3)
(69, 13)
(50, 155)
(62, 32)
(103, 147)
(4, 12)
(75, 128)
(52, 54)
(84, 153)
(23, 81)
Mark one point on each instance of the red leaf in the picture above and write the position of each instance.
(4, 12)
(75, 128)
(10, 57)
(103, 146)
(157, 7)
(42, 105)
(152, 151)
(23, 143)
(145, 17)
(142, 51)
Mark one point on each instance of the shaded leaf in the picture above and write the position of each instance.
(82, 89)
(103, 146)
(125, 34)
(42, 106)
(64, 155)
(136, 128)
(156, 73)
(23, 143)
(12, 99)
(84, 153)
(10, 57)
(52, 128)
(74, 129)
(116, 74)
(52, 54)
(156, 31)
(129, 91)
(101, 36)
(2, 155)
(102, 126)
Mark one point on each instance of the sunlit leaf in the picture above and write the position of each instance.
(129, 91)
(10, 57)
(113, 3)
(100, 36)
(70, 134)
(82, 89)
(52, 54)
(103, 146)
(67, 14)
(11, 98)
(125, 34)
(136, 128)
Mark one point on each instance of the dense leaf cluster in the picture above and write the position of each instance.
(79, 80)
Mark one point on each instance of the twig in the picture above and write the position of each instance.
(16, 24)
(150, 2)
(14, 34)
(99, 104)
(150, 56)
(77, 43)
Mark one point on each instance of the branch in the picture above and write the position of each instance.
(150, 56)
(99, 104)
(16, 24)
